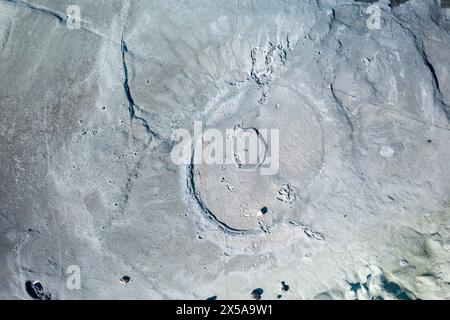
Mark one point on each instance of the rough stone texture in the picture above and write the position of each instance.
(359, 209)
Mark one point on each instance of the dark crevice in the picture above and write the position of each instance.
(432, 71)
(133, 173)
(131, 104)
(62, 17)
(343, 110)
(58, 15)
(422, 52)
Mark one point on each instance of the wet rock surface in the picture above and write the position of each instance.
(356, 206)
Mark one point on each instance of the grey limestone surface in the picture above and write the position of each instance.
(360, 205)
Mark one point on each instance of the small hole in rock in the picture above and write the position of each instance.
(257, 293)
(36, 290)
(125, 279)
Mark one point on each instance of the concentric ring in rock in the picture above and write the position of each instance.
(250, 198)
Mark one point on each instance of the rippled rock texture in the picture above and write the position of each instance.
(355, 206)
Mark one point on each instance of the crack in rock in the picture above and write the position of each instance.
(61, 17)
(424, 56)
(58, 15)
(307, 230)
(131, 104)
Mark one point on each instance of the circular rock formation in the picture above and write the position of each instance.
(267, 158)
